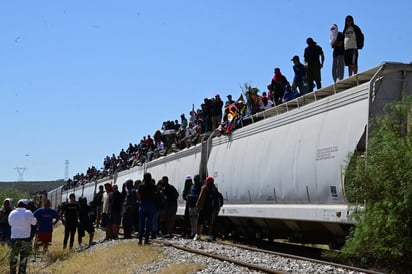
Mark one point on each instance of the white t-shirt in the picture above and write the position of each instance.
(350, 39)
(20, 220)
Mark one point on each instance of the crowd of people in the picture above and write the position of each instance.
(25, 229)
(143, 208)
(150, 208)
(223, 118)
(214, 115)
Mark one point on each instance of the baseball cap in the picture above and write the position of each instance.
(22, 203)
(210, 180)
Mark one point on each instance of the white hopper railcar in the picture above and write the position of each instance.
(283, 174)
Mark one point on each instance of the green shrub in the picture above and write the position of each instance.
(383, 180)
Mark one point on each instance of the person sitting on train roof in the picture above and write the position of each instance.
(289, 94)
(265, 103)
(229, 100)
(242, 113)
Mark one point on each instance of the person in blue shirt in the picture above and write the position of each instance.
(45, 216)
(300, 75)
(289, 94)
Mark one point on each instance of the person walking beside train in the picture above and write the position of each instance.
(209, 203)
(116, 208)
(45, 216)
(98, 202)
(171, 195)
(5, 229)
(130, 209)
(70, 219)
(191, 202)
(146, 194)
(185, 194)
(106, 220)
(20, 220)
(85, 224)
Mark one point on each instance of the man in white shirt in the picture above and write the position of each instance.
(20, 220)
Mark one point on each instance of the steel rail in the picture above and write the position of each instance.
(223, 258)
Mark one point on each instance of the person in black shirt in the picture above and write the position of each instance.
(116, 207)
(70, 217)
(85, 223)
(171, 196)
(146, 194)
(130, 209)
(98, 202)
(314, 59)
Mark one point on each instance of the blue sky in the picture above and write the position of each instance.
(80, 80)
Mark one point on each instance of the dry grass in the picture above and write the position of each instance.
(117, 257)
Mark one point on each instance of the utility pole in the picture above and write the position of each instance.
(66, 170)
(20, 173)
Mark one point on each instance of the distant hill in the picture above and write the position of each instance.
(31, 186)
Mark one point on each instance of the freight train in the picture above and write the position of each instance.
(282, 174)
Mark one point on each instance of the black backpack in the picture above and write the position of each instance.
(216, 198)
(360, 37)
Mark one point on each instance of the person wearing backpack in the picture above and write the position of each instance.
(209, 202)
(353, 41)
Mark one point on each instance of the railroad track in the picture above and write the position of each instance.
(257, 259)
(214, 250)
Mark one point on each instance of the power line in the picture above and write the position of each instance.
(20, 173)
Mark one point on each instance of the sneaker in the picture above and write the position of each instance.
(140, 242)
(196, 238)
(210, 238)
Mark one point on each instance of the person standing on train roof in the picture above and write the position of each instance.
(338, 63)
(313, 59)
(353, 41)
(299, 77)
(216, 113)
